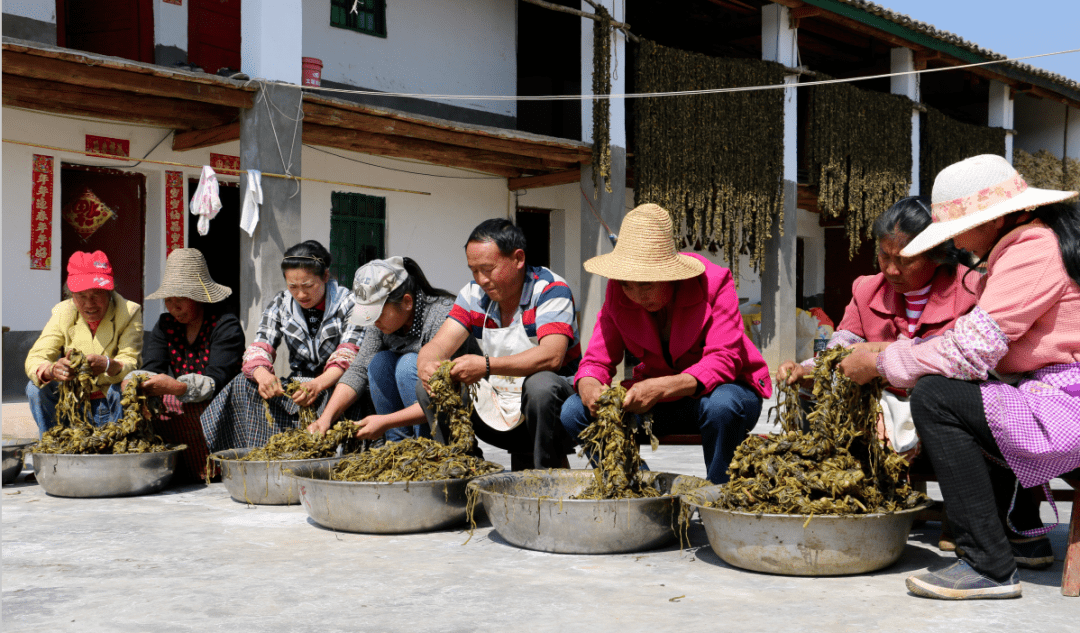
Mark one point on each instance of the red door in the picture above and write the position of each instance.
(120, 28)
(84, 191)
(214, 34)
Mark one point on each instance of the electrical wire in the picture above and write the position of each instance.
(403, 171)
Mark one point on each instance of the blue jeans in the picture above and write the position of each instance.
(392, 378)
(723, 418)
(43, 405)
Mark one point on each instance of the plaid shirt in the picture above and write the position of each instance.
(334, 346)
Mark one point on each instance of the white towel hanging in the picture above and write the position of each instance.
(206, 202)
(253, 197)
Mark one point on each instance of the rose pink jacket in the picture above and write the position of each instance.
(878, 314)
(707, 337)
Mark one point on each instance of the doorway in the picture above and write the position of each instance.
(536, 224)
(548, 66)
(214, 34)
(125, 28)
(220, 246)
(90, 193)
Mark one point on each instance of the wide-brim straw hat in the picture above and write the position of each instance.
(645, 250)
(973, 192)
(186, 275)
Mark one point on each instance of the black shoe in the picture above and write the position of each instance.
(1032, 553)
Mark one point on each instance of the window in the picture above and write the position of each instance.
(357, 233)
(370, 16)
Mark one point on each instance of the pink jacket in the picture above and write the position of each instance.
(878, 314)
(707, 339)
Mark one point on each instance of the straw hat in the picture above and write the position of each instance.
(973, 192)
(372, 285)
(186, 276)
(645, 250)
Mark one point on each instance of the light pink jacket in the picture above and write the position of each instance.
(707, 337)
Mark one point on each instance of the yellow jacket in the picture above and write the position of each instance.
(119, 336)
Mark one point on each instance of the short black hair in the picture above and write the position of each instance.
(310, 255)
(507, 236)
(908, 217)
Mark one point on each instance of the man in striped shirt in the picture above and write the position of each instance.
(523, 319)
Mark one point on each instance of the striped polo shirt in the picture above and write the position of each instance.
(547, 307)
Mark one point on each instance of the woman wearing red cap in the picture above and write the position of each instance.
(96, 321)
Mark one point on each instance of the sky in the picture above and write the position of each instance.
(1010, 28)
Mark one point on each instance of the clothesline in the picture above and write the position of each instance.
(236, 172)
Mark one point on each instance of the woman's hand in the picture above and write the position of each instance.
(469, 369)
(269, 385)
(98, 363)
(589, 389)
(866, 346)
(321, 425)
(790, 372)
(163, 385)
(308, 392)
(372, 427)
(644, 395)
(61, 370)
(860, 367)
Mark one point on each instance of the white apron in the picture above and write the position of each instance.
(899, 425)
(498, 399)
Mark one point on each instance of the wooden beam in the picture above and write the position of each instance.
(57, 70)
(209, 137)
(328, 115)
(62, 98)
(400, 148)
(547, 180)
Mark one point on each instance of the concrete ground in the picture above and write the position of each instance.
(192, 559)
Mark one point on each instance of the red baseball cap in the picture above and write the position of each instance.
(89, 270)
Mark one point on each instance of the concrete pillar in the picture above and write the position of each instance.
(1001, 113)
(271, 39)
(779, 44)
(610, 206)
(903, 60)
(1072, 132)
(279, 217)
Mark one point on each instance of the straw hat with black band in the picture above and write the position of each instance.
(645, 250)
(973, 192)
(186, 275)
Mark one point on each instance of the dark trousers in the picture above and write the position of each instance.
(951, 422)
(540, 434)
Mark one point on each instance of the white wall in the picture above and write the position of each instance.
(44, 10)
(28, 295)
(431, 47)
(171, 24)
(813, 236)
(270, 47)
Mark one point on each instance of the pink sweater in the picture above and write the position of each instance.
(1027, 317)
(707, 337)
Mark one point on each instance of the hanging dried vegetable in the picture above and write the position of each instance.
(859, 154)
(601, 108)
(422, 459)
(838, 467)
(74, 434)
(612, 442)
(715, 161)
(946, 141)
(1046, 171)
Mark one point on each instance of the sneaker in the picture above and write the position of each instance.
(1032, 553)
(960, 581)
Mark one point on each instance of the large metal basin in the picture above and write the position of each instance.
(123, 475)
(374, 507)
(532, 509)
(14, 458)
(789, 545)
(262, 483)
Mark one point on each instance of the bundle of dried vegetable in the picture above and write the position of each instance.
(946, 141)
(611, 441)
(1046, 171)
(713, 161)
(601, 108)
(859, 154)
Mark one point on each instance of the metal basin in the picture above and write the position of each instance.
(374, 507)
(787, 544)
(123, 475)
(262, 483)
(532, 509)
(14, 458)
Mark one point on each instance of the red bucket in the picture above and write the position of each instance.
(312, 71)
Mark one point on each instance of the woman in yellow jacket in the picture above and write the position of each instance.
(96, 321)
